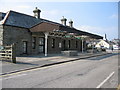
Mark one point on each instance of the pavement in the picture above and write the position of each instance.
(31, 62)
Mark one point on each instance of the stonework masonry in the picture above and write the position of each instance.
(17, 35)
(1, 35)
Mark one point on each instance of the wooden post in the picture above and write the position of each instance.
(13, 47)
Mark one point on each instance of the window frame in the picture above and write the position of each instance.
(69, 42)
(33, 42)
(53, 43)
(76, 43)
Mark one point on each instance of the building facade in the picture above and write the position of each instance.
(34, 35)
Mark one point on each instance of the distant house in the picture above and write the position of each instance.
(102, 44)
(34, 35)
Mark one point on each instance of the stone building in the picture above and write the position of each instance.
(34, 35)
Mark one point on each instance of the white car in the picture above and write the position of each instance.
(115, 47)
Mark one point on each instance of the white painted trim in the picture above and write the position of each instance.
(46, 42)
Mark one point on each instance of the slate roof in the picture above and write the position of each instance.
(74, 30)
(21, 20)
(13, 18)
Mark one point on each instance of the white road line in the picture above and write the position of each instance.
(105, 80)
(14, 76)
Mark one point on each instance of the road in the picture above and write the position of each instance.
(97, 72)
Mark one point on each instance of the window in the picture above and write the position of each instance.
(69, 44)
(76, 44)
(25, 47)
(41, 41)
(53, 43)
(60, 45)
(33, 42)
(41, 45)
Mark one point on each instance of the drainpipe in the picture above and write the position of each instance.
(46, 41)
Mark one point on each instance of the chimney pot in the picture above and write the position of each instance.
(63, 21)
(71, 23)
(37, 12)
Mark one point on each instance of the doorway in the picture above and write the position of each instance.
(64, 45)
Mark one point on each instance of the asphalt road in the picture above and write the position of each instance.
(97, 72)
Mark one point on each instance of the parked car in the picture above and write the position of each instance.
(115, 47)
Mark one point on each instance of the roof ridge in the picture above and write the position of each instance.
(50, 21)
(5, 18)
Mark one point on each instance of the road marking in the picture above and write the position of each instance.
(105, 80)
(15, 76)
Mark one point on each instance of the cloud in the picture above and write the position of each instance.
(17, 7)
(112, 32)
(23, 6)
(55, 12)
(114, 16)
(92, 29)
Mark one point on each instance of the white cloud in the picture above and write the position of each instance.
(112, 32)
(23, 6)
(51, 12)
(54, 15)
(114, 16)
(55, 12)
(17, 7)
(92, 29)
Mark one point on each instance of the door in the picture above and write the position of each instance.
(64, 45)
(25, 47)
(41, 45)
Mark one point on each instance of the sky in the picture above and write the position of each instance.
(95, 17)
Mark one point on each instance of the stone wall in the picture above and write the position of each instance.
(37, 35)
(1, 35)
(58, 40)
(18, 36)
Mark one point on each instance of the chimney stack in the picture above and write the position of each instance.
(71, 23)
(63, 21)
(37, 12)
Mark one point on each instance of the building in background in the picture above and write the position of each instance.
(102, 44)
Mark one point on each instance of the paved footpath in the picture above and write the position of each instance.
(25, 63)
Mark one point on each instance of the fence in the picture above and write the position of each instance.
(8, 53)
